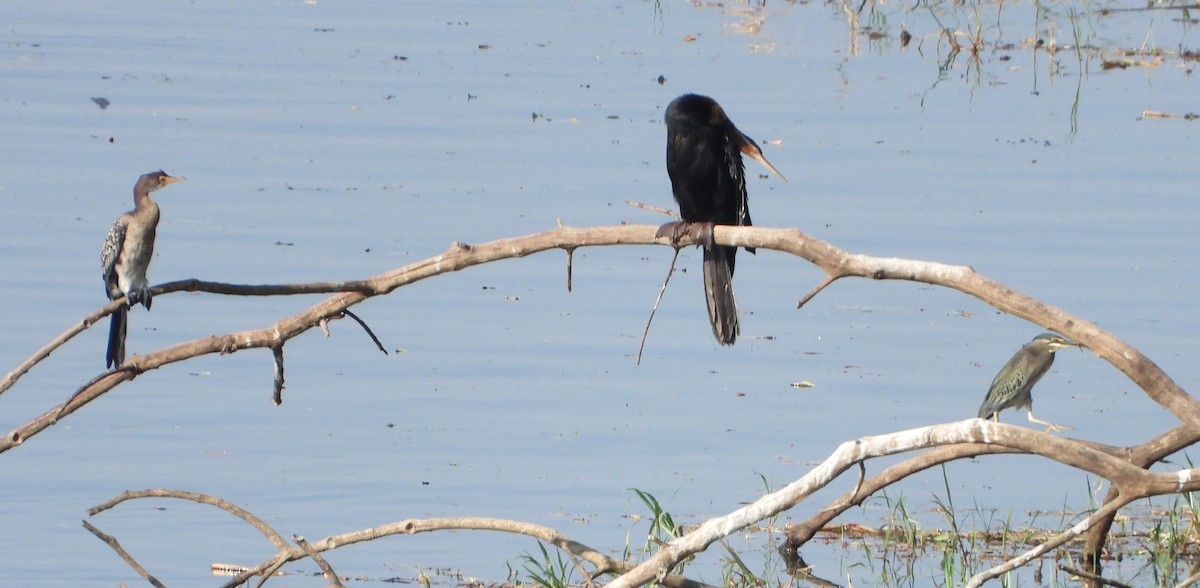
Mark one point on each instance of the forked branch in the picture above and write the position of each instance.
(602, 564)
(835, 262)
(1124, 468)
(1132, 482)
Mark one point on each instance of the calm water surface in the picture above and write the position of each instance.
(330, 140)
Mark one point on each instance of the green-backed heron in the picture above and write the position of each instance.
(1012, 386)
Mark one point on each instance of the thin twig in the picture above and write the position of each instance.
(650, 319)
(277, 390)
(1189, 581)
(652, 208)
(267, 571)
(11, 377)
(587, 576)
(1093, 577)
(829, 279)
(862, 477)
(370, 333)
(116, 546)
(326, 569)
(570, 267)
(89, 384)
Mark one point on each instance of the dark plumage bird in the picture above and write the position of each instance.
(127, 252)
(708, 179)
(1012, 386)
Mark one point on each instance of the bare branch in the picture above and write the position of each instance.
(326, 569)
(833, 261)
(653, 208)
(1134, 482)
(570, 268)
(287, 552)
(658, 299)
(366, 328)
(1142, 455)
(800, 533)
(116, 546)
(277, 389)
(1126, 468)
(1045, 547)
(11, 377)
(1094, 578)
(603, 564)
(274, 537)
(816, 290)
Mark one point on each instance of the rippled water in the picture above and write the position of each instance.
(332, 140)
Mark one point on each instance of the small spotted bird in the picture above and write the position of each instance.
(126, 256)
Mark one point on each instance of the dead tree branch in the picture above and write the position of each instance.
(835, 262)
(1131, 481)
(1126, 468)
(800, 533)
(326, 569)
(271, 534)
(601, 563)
(124, 555)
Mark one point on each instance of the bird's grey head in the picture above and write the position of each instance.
(1052, 342)
(154, 180)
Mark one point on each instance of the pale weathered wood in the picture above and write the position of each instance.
(1125, 468)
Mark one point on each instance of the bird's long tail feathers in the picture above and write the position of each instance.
(116, 338)
(718, 292)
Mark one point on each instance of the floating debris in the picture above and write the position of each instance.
(1156, 114)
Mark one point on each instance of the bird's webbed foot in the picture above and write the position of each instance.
(673, 230)
(701, 233)
(141, 296)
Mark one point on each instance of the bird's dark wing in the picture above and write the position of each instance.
(737, 174)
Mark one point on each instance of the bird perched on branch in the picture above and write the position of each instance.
(127, 252)
(1012, 386)
(704, 162)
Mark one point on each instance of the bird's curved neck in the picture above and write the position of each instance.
(143, 201)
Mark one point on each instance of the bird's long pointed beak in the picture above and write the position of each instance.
(172, 179)
(749, 147)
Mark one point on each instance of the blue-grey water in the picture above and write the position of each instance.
(337, 140)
